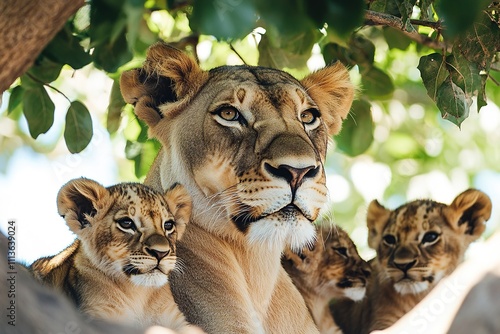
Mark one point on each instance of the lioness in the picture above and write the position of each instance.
(330, 271)
(417, 245)
(117, 269)
(249, 144)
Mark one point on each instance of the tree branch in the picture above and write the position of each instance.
(26, 27)
(373, 18)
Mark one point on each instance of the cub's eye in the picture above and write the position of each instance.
(126, 223)
(309, 116)
(430, 237)
(389, 240)
(169, 225)
(228, 114)
(341, 250)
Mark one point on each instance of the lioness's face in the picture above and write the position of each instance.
(333, 267)
(248, 142)
(422, 241)
(131, 231)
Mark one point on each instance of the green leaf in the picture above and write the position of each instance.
(110, 56)
(426, 12)
(386, 6)
(45, 70)
(38, 110)
(143, 155)
(458, 15)
(396, 39)
(480, 42)
(357, 130)
(277, 57)
(224, 19)
(134, 10)
(362, 50)
(405, 7)
(15, 99)
(333, 52)
(464, 74)
(105, 19)
(340, 15)
(433, 72)
(115, 107)
(284, 18)
(452, 103)
(78, 131)
(376, 83)
(65, 48)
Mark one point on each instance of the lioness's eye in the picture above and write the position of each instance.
(228, 113)
(430, 237)
(309, 116)
(126, 223)
(169, 225)
(341, 250)
(389, 239)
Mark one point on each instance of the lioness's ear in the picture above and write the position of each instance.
(168, 75)
(376, 219)
(468, 212)
(333, 92)
(180, 205)
(78, 201)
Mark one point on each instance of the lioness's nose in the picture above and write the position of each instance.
(294, 176)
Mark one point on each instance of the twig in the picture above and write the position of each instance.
(493, 79)
(48, 85)
(239, 56)
(375, 18)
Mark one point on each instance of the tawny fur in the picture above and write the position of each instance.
(113, 271)
(417, 245)
(249, 144)
(332, 270)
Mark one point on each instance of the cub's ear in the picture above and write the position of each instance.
(168, 75)
(376, 219)
(333, 92)
(468, 213)
(180, 205)
(79, 200)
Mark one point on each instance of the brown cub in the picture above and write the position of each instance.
(331, 270)
(417, 245)
(117, 268)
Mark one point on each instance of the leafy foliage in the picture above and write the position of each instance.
(458, 44)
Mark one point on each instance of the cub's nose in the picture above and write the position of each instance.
(405, 266)
(157, 253)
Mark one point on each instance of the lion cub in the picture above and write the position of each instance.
(417, 245)
(117, 268)
(331, 270)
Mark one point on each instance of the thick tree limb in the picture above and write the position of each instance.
(373, 18)
(26, 27)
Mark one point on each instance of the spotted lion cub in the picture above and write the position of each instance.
(417, 245)
(117, 268)
(330, 270)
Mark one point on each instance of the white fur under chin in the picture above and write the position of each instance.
(355, 294)
(295, 234)
(153, 279)
(408, 287)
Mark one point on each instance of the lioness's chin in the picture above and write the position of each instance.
(154, 278)
(271, 231)
(410, 287)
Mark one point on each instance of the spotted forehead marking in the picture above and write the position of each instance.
(415, 216)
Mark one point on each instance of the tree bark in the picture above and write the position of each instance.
(26, 27)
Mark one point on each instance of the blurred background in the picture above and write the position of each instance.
(395, 147)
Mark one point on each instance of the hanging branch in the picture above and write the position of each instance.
(373, 18)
